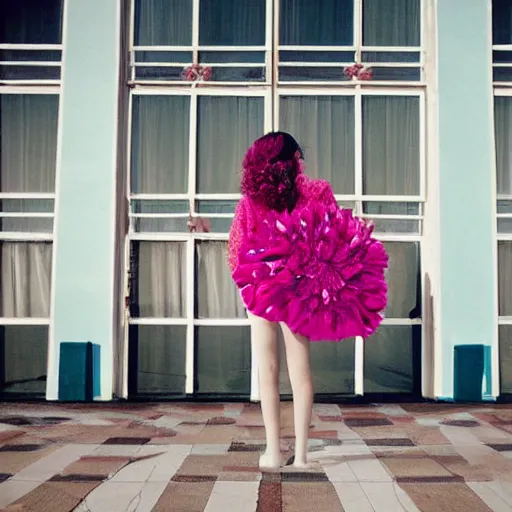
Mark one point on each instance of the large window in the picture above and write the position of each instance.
(208, 77)
(502, 72)
(30, 48)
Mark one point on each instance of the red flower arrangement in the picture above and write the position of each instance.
(358, 72)
(197, 73)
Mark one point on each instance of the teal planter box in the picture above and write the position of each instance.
(76, 372)
(468, 373)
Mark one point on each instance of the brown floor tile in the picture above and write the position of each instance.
(414, 467)
(269, 495)
(53, 497)
(12, 462)
(398, 441)
(8, 436)
(184, 497)
(217, 464)
(310, 496)
(459, 466)
(96, 466)
(444, 497)
(127, 440)
(366, 422)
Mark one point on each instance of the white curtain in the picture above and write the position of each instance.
(232, 22)
(503, 130)
(391, 145)
(26, 279)
(28, 131)
(324, 127)
(325, 22)
(163, 22)
(391, 22)
(217, 295)
(30, 21)
(160, 144)
(226, 127)
(161, 270)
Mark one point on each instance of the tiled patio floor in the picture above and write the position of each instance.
(195, 458)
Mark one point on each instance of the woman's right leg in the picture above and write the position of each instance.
(265, 349)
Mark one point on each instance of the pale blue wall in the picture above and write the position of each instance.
(85, 206)
(466, 179)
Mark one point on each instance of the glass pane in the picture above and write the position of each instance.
(324, 126)
(505, 335)
(26, 279)
(216, 57)
(505, 278)
(391, 145)
(311, 74)
(332, 365)
(31, 21)
(23, 359)
(388, 359)
(211, 206)
(159, 206)
(28, 146)
(404, 226)
(403, 278)
(163, 56)
(223, 360)
(160, 144)
(160, 361)
(316, 56)
(502, 56)
(388, 208)
(240, 74)
(217, 295)
(329, 22)
(226, 128)
(157, 281)
(27, 205)
(149, 225)
(163, 22)
(391, 22)
(29, 72)
(503, 130)
(159, 73)
(232, 22)
(26, 225)
(501, 22)
(504, 225)
(502, 74)
(384, 56)
(388, 74)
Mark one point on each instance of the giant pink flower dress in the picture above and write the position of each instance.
(317, 268)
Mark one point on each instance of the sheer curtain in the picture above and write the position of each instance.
(26, 279)
(324, 127)
(391, 22)
(217, 295)
(325, 22)
(30, 21)
(160, 144)
(161, 268)
(391, 145)
(232, 22)
(163, 22)
(503, 130)
(28, 132)
(227, 125)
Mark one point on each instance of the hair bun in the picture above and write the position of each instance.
(267, 179)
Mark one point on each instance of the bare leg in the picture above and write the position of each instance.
(297, 357)
(266, 350)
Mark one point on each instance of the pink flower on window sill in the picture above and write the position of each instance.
(197, 73)
(358, 72)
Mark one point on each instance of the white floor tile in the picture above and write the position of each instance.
(12, 490)
(239, 496)
(382, 496)
(352, 497)
(369, 470)
(494, 501)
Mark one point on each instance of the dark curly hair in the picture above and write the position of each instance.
(270, 169)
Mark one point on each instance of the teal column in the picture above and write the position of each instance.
(468, 302)
(85, 234)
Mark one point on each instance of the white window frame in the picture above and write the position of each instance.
(27, 237)
(271, 90)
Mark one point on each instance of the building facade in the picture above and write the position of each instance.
(119, 119)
